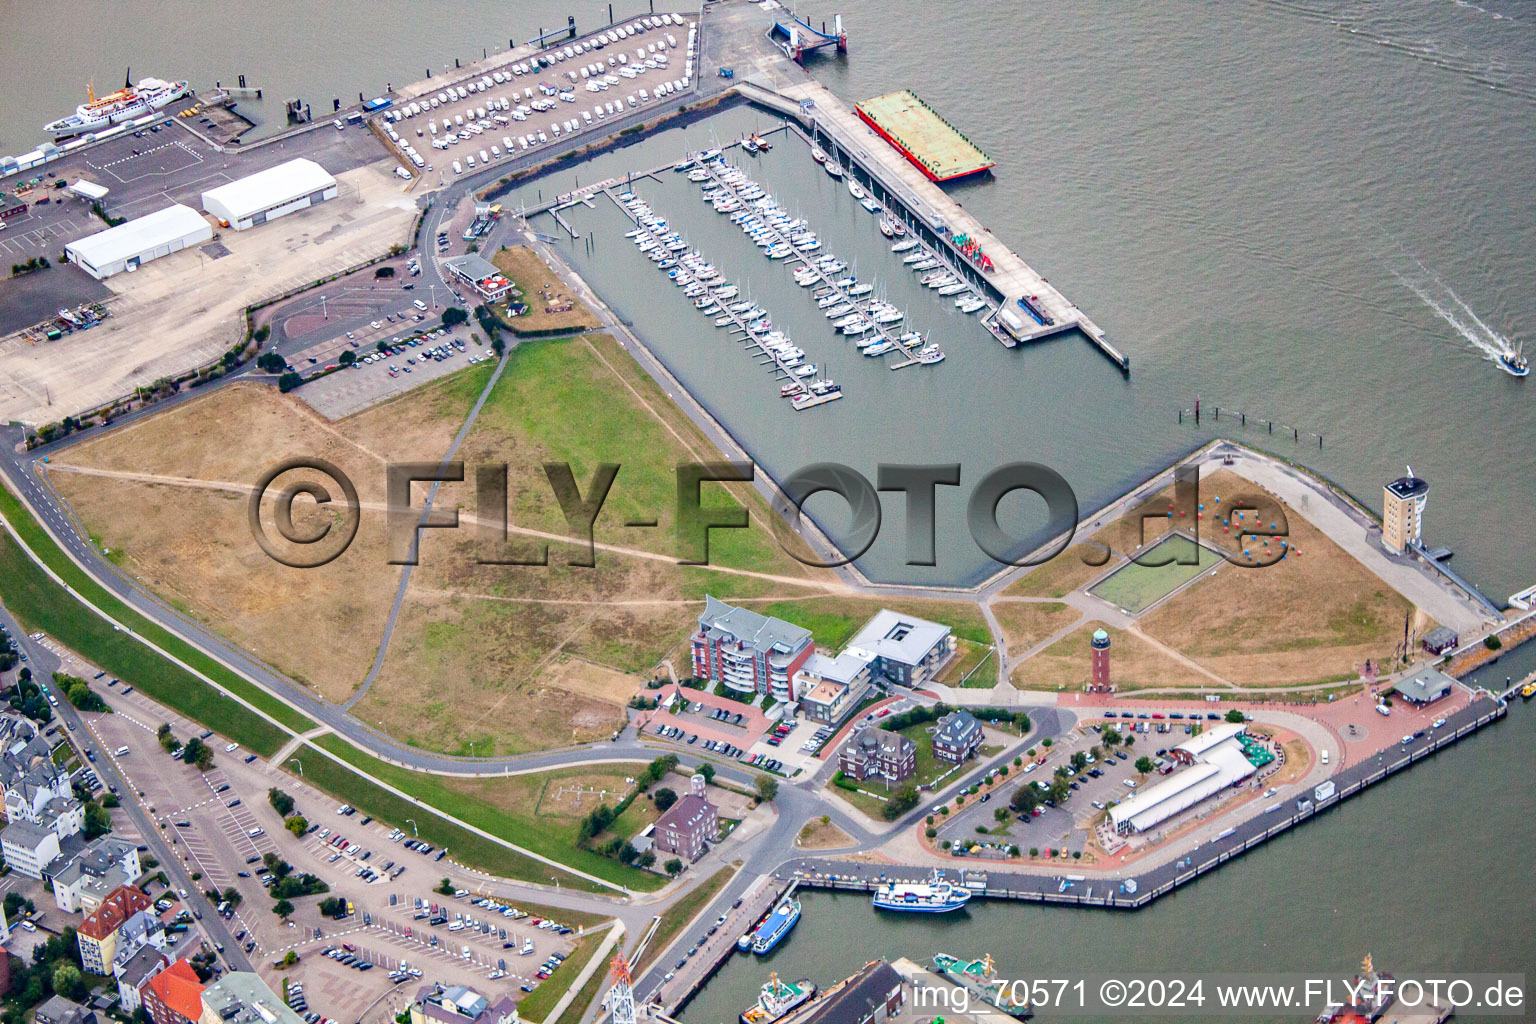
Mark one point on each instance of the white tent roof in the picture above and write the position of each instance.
(264, 189)
(89, 189)
(139, 235)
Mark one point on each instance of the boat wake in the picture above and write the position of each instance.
(1451, 308)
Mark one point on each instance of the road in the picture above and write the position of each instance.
(44, 663)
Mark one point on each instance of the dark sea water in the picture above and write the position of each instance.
(1318, 213)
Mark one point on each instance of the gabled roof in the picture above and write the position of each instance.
(686, 814)
(121, 904)
(178, 988)
(956, 728)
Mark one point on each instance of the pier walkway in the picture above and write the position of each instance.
(839, 130)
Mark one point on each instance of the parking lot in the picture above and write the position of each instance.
(525, 103)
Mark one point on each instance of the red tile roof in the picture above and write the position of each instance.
(178, 988)
(121, 904)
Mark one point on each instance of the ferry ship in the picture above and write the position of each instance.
(936, 896)
(127, 103)
(1514, 363)
(979, 978)
(777, 999)
(778, 924)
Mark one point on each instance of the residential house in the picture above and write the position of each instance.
(749, 653)
(687, 828)
(133, 973)
(872, 753)
(58, 1010)
(957, 737)
(29, 848)
(828, 689)
(173, 995)
(903, 648)
(85, 874)
(98, 933)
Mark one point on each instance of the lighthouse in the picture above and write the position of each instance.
(1100, 648)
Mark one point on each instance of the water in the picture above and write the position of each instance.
(1314, 212)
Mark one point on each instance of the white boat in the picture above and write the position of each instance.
(860, 289)
(879, 349)
(808, 370)
(954, 289)
(969, 303)
(869, 203)
(832, 169)
(128, 103)
(935, 897)
(856, 190)
(905, 245)
(818, 155)
(930, 355)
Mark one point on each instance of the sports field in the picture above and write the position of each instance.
(1137, 586)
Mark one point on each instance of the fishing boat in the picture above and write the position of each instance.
(905, 244)
(1528, 691)
(856, 190)
(777, 999)
(818, 155)
(1514, 362)
(936, 896)
(979, 978)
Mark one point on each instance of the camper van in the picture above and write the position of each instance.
(456, 168)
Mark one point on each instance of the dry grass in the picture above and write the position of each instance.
(188, 539)
(1134, 664)
(1315, 615)
(1027, 623)
(822, 835)
(543, 292)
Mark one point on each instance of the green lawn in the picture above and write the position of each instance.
(834, 620)
(35, 599)
(535, 1006)
(675, 917)
(1135, 586)
(529, 832)
(928, 769)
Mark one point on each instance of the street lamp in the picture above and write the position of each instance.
(323, 314)
(299, 763)
(412, 823)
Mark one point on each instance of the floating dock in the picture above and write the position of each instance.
(933, 145)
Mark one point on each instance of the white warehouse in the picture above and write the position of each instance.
(138, 241)
(269, 194)
(1216, 761)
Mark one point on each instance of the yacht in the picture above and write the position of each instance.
(879, 349)
(832, 169)
(905, 244)
(1514, 362)
(856, 190)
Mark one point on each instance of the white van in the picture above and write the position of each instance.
(121, 752)
(633, 102)
(253, 833)
(456, 168)
(543, 137)
(420, 305)
(495, 151)
(469, 162)
(643, 95)
(586, 116)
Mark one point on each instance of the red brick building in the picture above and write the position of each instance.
(872, 753)
(688, 827)
(174, 996)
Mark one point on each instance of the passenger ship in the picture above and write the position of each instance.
(127, 103)
(936, 896)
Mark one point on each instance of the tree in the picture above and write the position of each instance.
(288, 381)
(445, 887)
(232, 896)
(1060, 790)
(1111, 736)
(196, 752)
(348, 358)
(290, 958)
(708, 771)
(168, 741)
(271, 362)
(673, 867)
(665, 798)
(283, 909)
(453, 316)
(68, 981)
(98, 822)
(1025, 799)
(1079, 761)
(1235, 716)
(333, 906)
(262, 334)
(281, 802)
(903, 801)
(297, 825)
(1145, 764)
(1000, 814)
(767, 788)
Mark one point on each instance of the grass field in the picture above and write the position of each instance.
(1134, 663)
(970, 667)
(216, 447)
(483, 652)
(834, 620)
(1027, 623)
(675, 917)
(1140, 584)
(540, 289)
(535, 1006)
(39, 604)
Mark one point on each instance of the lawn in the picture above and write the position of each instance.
(834, 620)
(676, 917)
(1027, 623)
(971, 667)
(1133, 664)
(928, 768)
(537, 1004)
(1138, 585)
(543, 292)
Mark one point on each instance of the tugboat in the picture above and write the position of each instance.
(1375, 995)
(777, 999)
(979, 978)
(1514, 363)
(936, 896)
